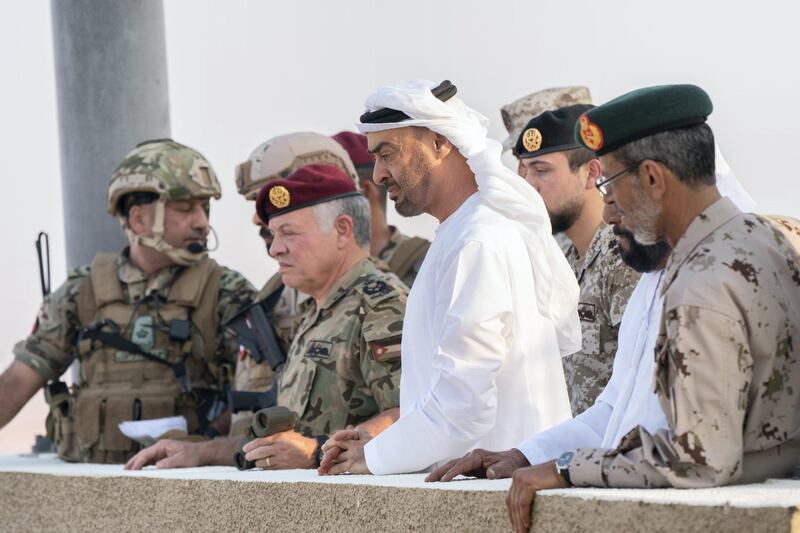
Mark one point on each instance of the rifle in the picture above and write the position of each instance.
(56, 392)
(257, 335)
(265, 422)
(252, 401)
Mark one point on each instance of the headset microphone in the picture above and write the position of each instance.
(196, 248)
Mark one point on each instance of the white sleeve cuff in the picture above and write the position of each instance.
(372, 457)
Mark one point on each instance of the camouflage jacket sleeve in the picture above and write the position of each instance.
(381, 333)
(50, 348)
(235, 292)
(703, 374)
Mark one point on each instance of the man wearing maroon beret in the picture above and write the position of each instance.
(343, 367)
(403, 254)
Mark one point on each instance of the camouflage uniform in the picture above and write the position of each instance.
(273, 159)
(727, 361)
(404, 255)
(285, 318)
(606, 285)
(343, 367)
(53, 345)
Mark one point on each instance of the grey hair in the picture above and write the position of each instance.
(688, 152)
(356, 207)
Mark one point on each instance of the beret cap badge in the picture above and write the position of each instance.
(532, 139)
(279, 196)
(591, 134)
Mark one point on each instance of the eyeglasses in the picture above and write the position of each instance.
(602, 182)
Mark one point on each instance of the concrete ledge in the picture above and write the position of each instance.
(45, 494)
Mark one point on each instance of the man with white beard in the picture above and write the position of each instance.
(494, 306)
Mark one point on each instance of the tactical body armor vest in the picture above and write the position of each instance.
(407, 255)
(116, 385)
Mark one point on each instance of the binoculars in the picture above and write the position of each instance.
(265, 422)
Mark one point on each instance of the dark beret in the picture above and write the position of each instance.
(641, 113)
(310, 185)
(551, 131)
(355, 145)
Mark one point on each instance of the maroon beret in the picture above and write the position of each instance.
(309, 185)
(355, 145)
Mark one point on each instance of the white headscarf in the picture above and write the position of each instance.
(557, 290)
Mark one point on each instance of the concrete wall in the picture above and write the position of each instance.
(36, 502)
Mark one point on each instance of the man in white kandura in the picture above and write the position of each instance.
(494, 306)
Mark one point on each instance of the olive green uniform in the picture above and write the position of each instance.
(343, 367)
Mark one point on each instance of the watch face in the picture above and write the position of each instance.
(565, 459)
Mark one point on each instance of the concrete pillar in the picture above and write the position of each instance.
(111, 83)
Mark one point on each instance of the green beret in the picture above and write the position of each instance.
(641, 113)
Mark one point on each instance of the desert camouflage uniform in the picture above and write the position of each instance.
(727, 361)
(606, 284)
(343, 367)
(404, 255)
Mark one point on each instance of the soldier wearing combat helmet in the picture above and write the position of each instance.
(147, 323)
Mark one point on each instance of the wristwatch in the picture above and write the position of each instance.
(318, 453)
(562, 466)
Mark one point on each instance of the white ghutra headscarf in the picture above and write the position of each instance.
(501, 189)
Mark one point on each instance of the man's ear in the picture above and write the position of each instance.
(140, 219)
(441, 146)
(653, 176)
(343, 226)
(593, 171)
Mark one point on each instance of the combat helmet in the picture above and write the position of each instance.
(170, 170)
(283, 155)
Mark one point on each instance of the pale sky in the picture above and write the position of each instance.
(241, 72)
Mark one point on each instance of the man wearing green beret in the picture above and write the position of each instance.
(563, 172)
(726, 363)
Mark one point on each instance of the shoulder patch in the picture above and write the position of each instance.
(380, 287)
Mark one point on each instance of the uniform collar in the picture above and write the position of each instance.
(598, 244)
(130, 274)
(714, 216)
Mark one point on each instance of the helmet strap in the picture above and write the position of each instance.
(180, 256)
